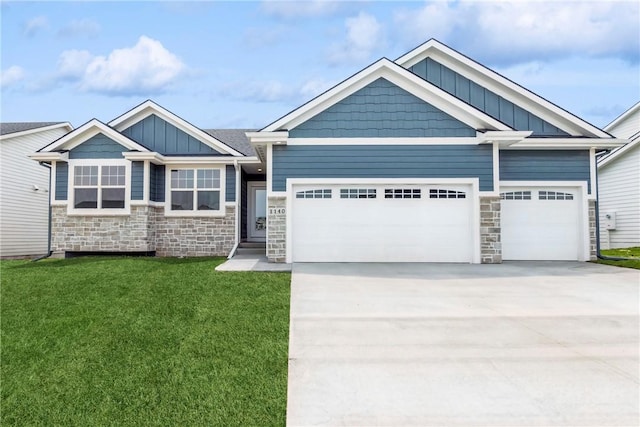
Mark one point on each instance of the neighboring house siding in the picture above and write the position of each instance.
(162, 137)
(627, 127)
(383, 161)
(137, 180)
(25, 211)
(62, 180)
(230, 181)
(156, 183)
(381, 109)
(540, 165)
(483, 99)
(619, 192)
(98, 147)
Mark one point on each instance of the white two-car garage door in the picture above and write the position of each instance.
(382, 223)
(541, 223)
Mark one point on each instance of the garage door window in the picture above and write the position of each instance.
(516, 195)
(554, 195)
(324, 193)
(402, 193)
(357, 193)
(446, 194)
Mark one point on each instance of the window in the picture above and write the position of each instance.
(446, 194)
(357, 193)
(516, 195)
(554, 195)
(402, 193)
(314, 194)
(195, 190)
(99, 187)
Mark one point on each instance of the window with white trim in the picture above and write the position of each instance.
(554, 195)
(516, 195)
(357, 193)
(402, 193)
(324, 193)
(195, 190)
(99, 187)
(446, 194)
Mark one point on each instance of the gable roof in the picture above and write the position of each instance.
(86, 131)
(234, 138)
(634, 138)
(149, 107)
(619, 152)
(611, 127)
(9, 129)
(502, 86)
(384, 68)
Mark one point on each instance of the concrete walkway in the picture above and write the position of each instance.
(517, 344)
(251, 262)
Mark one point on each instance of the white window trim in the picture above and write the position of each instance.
(167, 196)
(72, 211)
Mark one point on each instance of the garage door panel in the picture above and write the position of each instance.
(382, 229)
(538, 228)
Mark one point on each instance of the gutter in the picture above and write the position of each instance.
(238, 196)
(49, 251)
(598, 253)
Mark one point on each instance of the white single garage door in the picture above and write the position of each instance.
(382, 223)
(541, 223)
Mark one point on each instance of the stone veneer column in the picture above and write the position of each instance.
(277, 229)
(490, 232)
(593, 248)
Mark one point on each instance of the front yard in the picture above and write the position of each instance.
(142, 341)
(622, 253)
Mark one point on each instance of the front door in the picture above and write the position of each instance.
(257, 211)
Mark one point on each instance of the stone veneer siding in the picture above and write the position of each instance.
(593, 237)
(276, 229)
(490, 232)
(146, 229)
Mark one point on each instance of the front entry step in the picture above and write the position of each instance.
(252, 245)
(250, 251)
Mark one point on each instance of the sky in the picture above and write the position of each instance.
(245, 64)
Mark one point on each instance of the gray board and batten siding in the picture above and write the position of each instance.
(156, 183)
(543, 165)
(98, 146)
(137, 180)
(62, 179)
(381, 109)
(164, 138)
(483, 99)
(383, 161)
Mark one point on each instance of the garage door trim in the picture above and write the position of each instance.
(473, 183)
(581, 188)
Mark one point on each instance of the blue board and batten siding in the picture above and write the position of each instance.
(381, 109)
(483, 99)
(164, 138)
(156, 183)
(539, 165)
(383, 161)
(62, 180)
(99, 146)
(137, 180)
(230, 184)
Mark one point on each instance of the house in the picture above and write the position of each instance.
(619, 185)
(431, 157)
(24, 188)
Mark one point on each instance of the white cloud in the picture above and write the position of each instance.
(364, 35)
(34, 25)
(144, 69)
(300, 9)
(80, 27)
(11, 76)
(512, 32)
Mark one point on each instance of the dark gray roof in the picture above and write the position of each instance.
(6, 128)
(234, 138)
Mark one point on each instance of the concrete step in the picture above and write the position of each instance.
(250, 251)
(261, 245)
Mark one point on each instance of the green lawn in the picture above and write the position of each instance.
(624, 253)
(142, 341)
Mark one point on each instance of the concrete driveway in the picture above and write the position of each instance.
(517, 344)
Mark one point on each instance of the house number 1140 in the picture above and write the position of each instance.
(277, 211)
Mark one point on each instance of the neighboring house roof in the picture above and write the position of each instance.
(234, 138)
(630, 127)
(11, 128)
(611, 127)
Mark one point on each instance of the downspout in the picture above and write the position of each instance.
(237, 227)
(598, 254)
(49, 251)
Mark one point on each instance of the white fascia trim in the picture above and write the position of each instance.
(222, 160)
(269, 155)
(616, 154)
(592, 172)
(149, 156)
(265, 137)
(88, 130)
(149, 107)
(496, 166)
(622, 117)
(51, 156)
(567, 144)
(505, 138)
(501, 86)
(160, 159)
(385, 141)
(66, 125)
(575, 184)
(401, 77)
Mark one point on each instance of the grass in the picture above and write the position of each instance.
(141, 342)
(623, 253)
